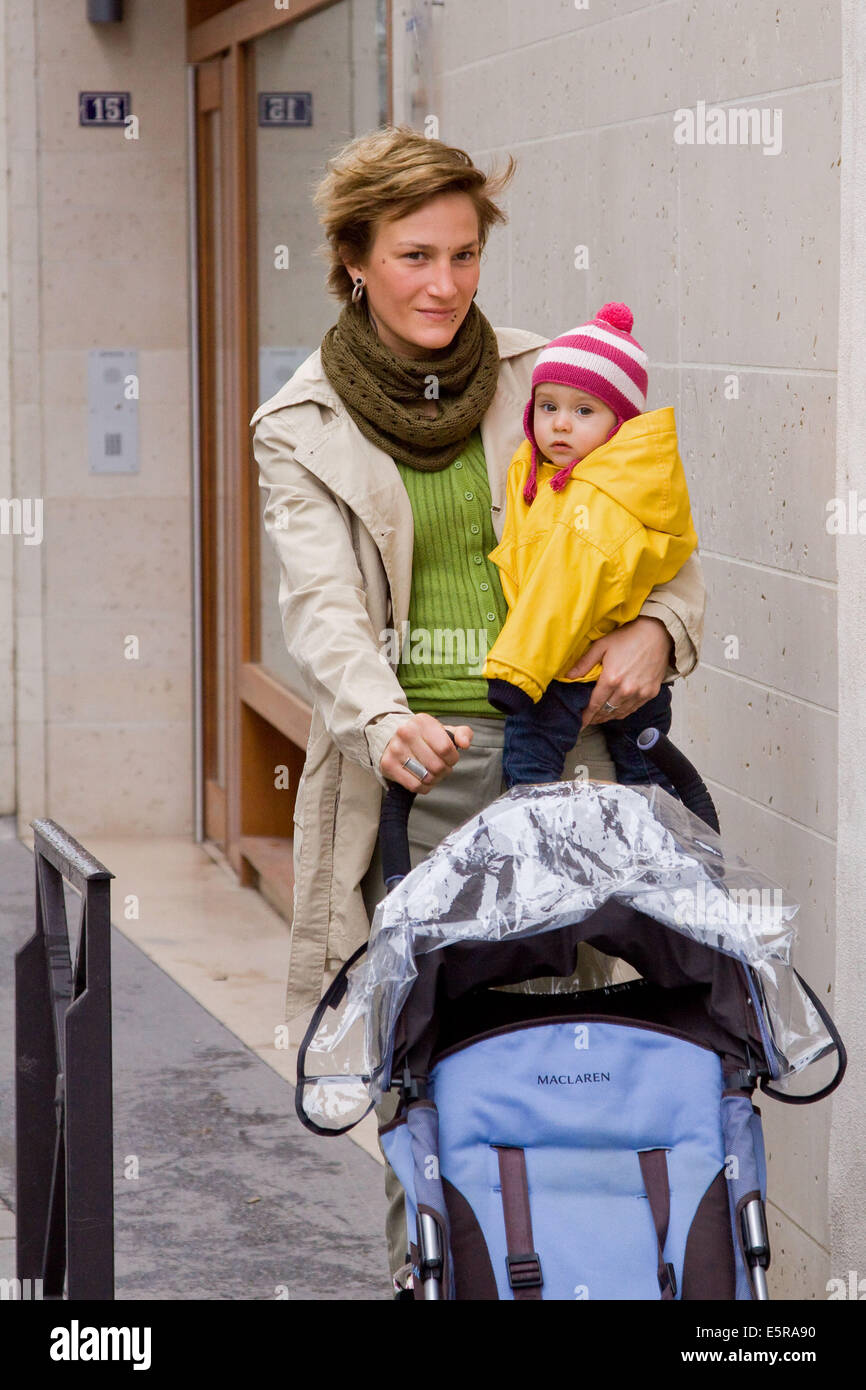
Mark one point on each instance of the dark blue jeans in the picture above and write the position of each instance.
(538, 740)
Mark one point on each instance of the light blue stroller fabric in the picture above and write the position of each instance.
(582, 1100)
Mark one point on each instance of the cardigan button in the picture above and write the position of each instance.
(470, 496)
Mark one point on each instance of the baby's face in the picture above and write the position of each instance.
(568, 423)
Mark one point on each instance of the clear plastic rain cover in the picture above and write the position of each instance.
(536, 859)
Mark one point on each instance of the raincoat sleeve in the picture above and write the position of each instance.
(680, 605)
(504, 554)
(546, 629)
(324, 615)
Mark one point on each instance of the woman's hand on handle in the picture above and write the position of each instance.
(635, 659)
(426, 740)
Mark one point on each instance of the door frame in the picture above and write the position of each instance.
(267, 725)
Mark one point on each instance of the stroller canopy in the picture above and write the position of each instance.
(510, 894)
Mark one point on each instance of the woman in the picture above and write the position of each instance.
(366, 453)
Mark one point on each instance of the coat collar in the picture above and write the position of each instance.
(367, 479)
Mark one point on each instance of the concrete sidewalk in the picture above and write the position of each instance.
(219, 1191)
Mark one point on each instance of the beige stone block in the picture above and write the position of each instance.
(760, 245)
(549, 217)
(30, 692)
(784, 626)
(21, 99)
(796, 1139)
(775, 750)
(124, 779)
(103, 181)
(23, 182)
(556, 19)
(26, 377)
(108, 694)
(73, 237)
(25, 233)
(126, 555)
(774, 446)
(6, 571)
(750, 47)
(24, 304)
(473, 121)
(630, 216)
(29, 578)
(75, 644)
(20, 25)
(802, 862)
(26, 442)
(475, 33)
(135, 301)
(629, 67)
(30, 653)
(800, 1266)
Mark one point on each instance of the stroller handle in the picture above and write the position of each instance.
(397, 803)
(393, 830)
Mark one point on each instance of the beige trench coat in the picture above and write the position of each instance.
(340, 519)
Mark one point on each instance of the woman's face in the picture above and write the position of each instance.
(421, 274)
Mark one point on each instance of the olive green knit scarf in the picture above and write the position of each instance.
(385, 394)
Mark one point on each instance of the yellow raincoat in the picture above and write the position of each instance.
(578, 563)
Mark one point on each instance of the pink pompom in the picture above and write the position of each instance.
(617, 315)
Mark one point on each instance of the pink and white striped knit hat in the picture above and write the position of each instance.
(599, 357)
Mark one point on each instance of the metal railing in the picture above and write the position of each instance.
(63, 1122)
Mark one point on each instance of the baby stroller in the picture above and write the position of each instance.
(569, 1142)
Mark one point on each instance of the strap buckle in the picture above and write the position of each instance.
(524, 1271)
(411, 1087)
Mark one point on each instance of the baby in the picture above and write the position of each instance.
(597, 515)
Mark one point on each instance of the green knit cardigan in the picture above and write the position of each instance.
(457, 606)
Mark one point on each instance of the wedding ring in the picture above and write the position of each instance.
(608, 706)
(417, 769)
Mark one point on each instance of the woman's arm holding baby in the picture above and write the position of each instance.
(663, 642)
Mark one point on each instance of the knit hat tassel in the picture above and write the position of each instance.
(531, 485)
(559, 479)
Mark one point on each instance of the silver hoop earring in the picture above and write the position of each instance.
(358, 290)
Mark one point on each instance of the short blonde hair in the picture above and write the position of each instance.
(385, 175)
